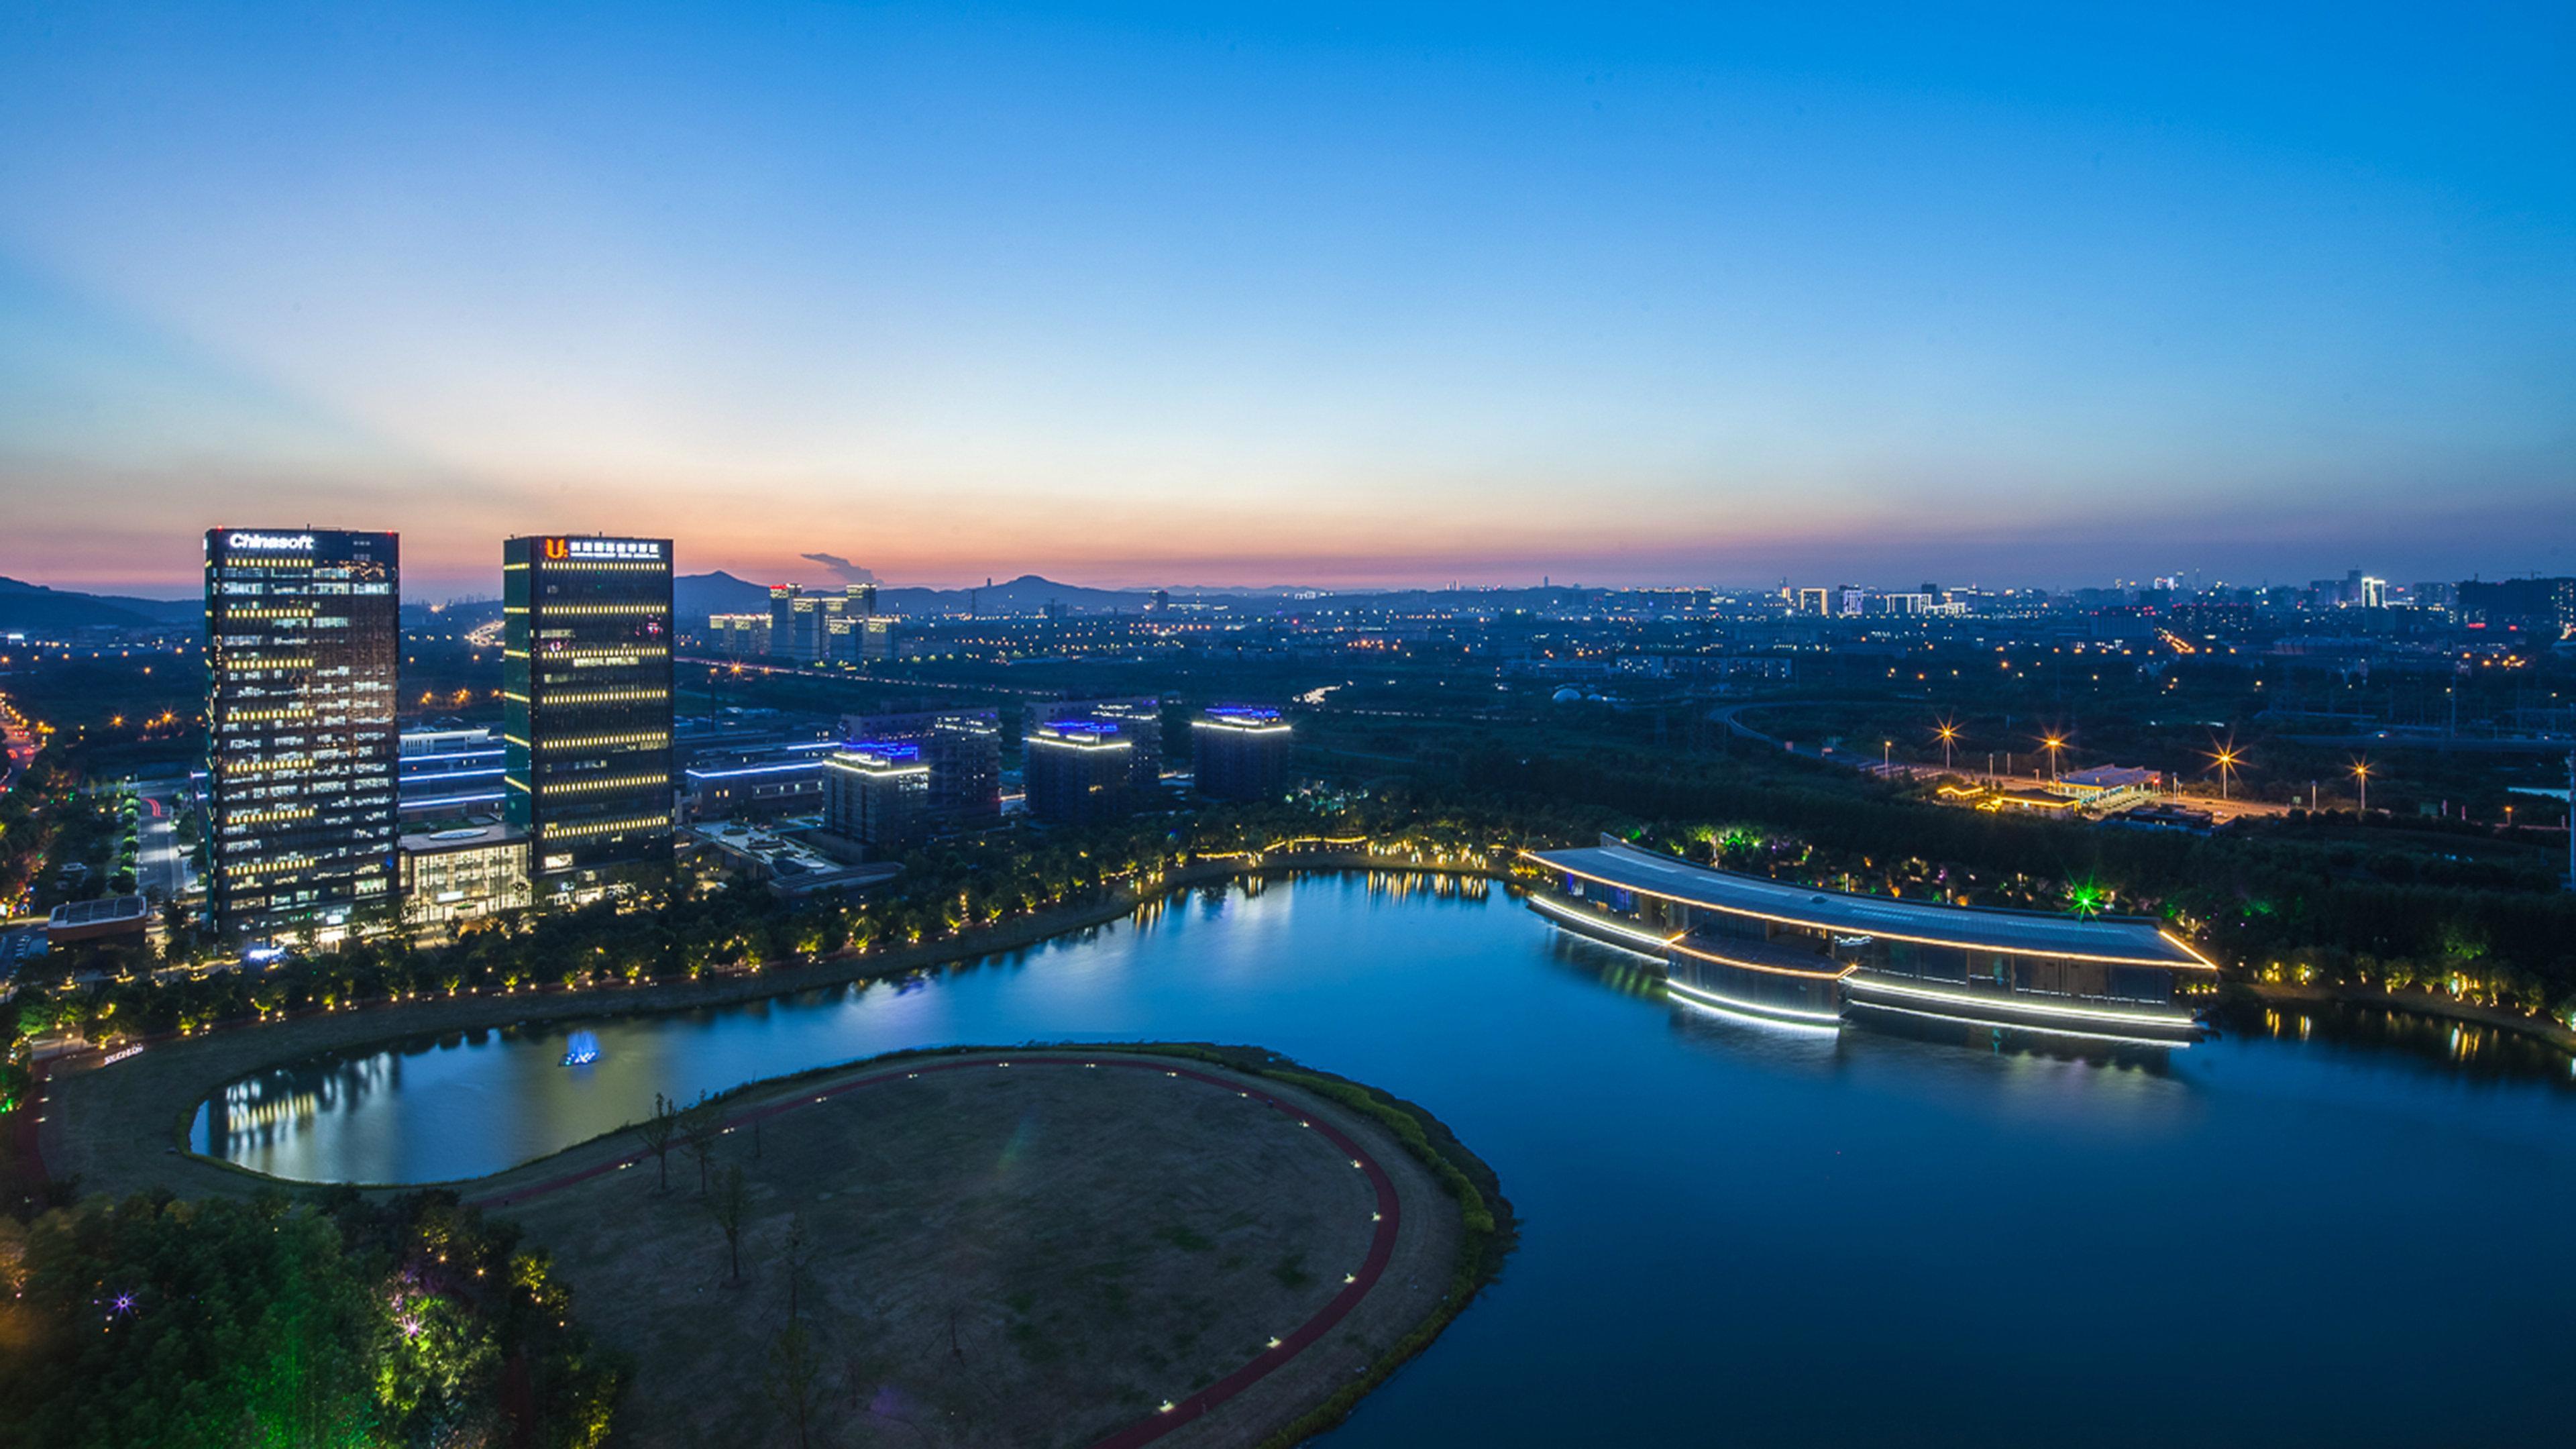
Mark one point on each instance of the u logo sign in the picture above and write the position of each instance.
(554, 548)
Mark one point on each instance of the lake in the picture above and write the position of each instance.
(2331, 1227)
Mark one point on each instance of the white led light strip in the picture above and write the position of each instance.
(1589, 922)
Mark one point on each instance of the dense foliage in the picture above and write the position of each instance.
(155, 1322)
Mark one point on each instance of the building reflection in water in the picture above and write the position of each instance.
(272, 1107)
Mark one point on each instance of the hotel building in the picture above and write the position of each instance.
(877, 792)
(962, 749)
(1139, 723)
(586, 702)
(1080, 771)
(303, 645)
(1239, 752)
(1775, 949)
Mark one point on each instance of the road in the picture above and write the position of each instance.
(2219, 810)
(841, 676)
(161, 867)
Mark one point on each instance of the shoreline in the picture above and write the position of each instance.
(1285, 1401)
(73, 1085)
(2413, 1003)
(128, 1120)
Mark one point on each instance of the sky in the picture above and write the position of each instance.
(1296, 294)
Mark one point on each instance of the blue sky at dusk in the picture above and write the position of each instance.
(1297, 295)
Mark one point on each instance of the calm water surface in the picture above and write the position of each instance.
(1737, 1233)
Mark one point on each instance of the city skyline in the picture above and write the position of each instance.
(1324, 300)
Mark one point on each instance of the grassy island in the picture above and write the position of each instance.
(1090, 1245)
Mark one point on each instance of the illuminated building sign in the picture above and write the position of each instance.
(270, 542)
(619, 548)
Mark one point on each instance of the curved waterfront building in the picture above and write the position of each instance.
(1777, 949)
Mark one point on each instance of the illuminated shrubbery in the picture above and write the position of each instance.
(156, 1321)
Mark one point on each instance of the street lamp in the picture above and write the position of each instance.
(1886, 756)
(2053, 742)
(1949, 734)
(2226, 757)
(2361, 772)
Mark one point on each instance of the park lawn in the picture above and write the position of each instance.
(1029, 1255)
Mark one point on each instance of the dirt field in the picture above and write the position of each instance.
(1037, 1254)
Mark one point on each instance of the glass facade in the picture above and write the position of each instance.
(1757, 944)
(586, 701)
(303, 645)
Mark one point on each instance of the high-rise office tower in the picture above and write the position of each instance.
(586, 701)
(303, 645)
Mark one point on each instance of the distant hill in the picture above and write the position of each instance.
(695, 596)
(1026, 594)
(34, 606)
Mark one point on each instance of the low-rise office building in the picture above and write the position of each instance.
(449, 773)
(736, 770)
(464, 874)
(103, 919)
(2108, 787)
(1797, 953)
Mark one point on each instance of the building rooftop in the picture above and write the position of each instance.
(102, 911)
(464, 837)
(1251, 718)
(2111, 777)
(2116, 938)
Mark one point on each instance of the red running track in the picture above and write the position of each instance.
(1197, 1406)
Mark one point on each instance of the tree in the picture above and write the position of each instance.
(800, 1252)
(154, 1321)
(793, 1377)
(727, 1206)
(700, 1125)
(655, 1131)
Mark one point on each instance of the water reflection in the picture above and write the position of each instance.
(345, 1118)
(2470, 1050)
(1748, 1202)
(255, 1110)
